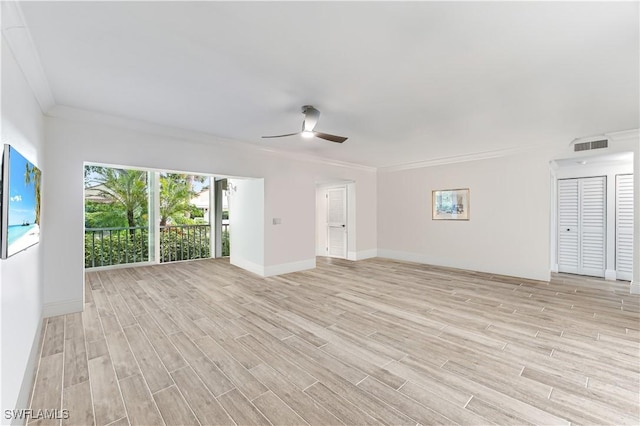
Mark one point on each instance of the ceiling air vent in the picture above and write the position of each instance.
(586, 146)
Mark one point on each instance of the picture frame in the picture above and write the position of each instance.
(450, 204)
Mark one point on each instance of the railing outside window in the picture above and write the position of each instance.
(117, 246)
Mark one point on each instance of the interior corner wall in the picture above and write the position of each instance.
(21, 284)
(246, 212)
(508, 229)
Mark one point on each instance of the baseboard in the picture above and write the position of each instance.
(247, 265)
(64, 307)
(554, 268)
(366, 254)
(453, 263)
(635, 287)
(352, 255)
(610, 274)
(24, 397)
(286, 268)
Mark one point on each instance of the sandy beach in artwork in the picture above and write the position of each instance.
(27, 240)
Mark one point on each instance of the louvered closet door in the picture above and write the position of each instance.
(624, 227)
(568, 244)
(593, 220)
(582, 225)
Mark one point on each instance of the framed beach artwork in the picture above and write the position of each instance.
(450, 204)
(20, 227)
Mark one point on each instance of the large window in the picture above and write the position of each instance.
(116, 216)
(185, 232)
(134, 216)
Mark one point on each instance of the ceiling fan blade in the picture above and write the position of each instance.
(282, 136)
(328, 137)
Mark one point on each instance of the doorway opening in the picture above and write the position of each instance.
(335, 220)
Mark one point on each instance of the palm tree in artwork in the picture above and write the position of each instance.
(33, 175)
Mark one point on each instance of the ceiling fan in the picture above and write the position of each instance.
(311, 116)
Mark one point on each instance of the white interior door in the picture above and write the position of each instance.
(337, 222)
(624, 227)
(582, 225)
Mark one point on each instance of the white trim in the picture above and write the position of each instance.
(286, 268)
(623, 135)
(457, 159)
(635, 288)
(366, 254)
(86, 116)
(19, 40)
(352, 255)
(610, 274)
(128, 265)
(321, 251)
(64, 307)
(554, 268)
(247, 265)
(453, 263)
(29, 376)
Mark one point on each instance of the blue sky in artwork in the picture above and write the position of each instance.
(22, 197)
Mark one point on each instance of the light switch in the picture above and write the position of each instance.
(277, 221)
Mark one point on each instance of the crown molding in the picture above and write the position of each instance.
(624, 135)
(457, 159)
(87, 116)
(18, 38)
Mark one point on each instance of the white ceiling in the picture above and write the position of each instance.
(406, 82)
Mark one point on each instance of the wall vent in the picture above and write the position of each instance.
(586, 146)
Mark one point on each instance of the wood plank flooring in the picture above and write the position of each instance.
(369, 342)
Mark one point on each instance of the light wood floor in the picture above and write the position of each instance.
(372, 342)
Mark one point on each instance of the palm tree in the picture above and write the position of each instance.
(176, 192)
(33, 175)
(124, 188)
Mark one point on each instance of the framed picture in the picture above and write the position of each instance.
(450, 204)
(20, 225)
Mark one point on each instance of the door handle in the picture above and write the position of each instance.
(568, 229)
(343, 226)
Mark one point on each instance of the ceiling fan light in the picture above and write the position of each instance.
(307, 134)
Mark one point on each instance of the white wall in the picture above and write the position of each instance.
(75, 137)
(508, 230)
(21, 284)
(246, 222)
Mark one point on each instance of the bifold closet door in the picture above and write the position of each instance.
(582, 225)
(624, 227)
